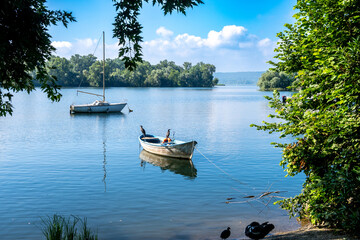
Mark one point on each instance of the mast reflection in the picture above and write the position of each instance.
(104, 165)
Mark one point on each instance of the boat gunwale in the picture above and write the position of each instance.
(162, 144)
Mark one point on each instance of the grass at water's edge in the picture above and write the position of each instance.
(58, 227)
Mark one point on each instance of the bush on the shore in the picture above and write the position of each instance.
(323, 118)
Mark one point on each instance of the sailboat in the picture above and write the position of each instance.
(98, 106)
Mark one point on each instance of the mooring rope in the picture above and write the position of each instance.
(97, 45)
(93, 55)
(231, 177)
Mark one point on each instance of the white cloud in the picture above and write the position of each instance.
(189, 41)
(229, 36)
(246, 44)
(264, 42)
(84, 47)
(266, 47)
(61, 44)
(87, 42)
(163, 32)
(232, 48)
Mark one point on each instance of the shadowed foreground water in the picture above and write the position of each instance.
(91, 165)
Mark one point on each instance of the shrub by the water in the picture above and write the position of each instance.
(323, 118)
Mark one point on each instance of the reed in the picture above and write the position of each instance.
(58, 227)
(86, 233)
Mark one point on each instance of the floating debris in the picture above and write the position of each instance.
(251, 196)
(269, 194)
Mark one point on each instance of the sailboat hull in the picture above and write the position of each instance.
(100, 108)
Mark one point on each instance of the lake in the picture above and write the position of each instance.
(52, 162)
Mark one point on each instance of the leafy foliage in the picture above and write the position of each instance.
(25, 46)
(128, 29)
(323, 47)
(87, 71)
(271, 80)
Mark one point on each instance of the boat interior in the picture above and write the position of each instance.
(150, 139)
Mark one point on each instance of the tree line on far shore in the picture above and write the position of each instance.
(86, 71)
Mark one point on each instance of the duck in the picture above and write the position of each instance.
(256, 231)
(225, 234)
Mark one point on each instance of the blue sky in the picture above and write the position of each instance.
(234, 35)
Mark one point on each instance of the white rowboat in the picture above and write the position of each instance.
(175, 149)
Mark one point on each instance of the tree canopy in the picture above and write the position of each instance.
(87, 71)
(25, 46)
(323, 47)
(273, 80)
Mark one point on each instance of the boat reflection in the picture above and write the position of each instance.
(175, 165)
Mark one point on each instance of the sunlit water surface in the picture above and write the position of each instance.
(92, 166)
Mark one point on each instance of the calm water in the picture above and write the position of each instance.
(91, 165)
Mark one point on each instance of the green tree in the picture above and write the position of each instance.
(81, 66)
(199, 75)
(95, 74)
(155, 78)
(136, 78)
(173, 77)
(187, 66)
(215, 81)
(165, 63)
(61, 69)
(207, 74)
(25, 46)
(116, 66)
(143, 69)
(271, 80)
(323, 47)
(117, 79)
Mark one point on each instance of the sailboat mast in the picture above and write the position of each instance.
(103, 66)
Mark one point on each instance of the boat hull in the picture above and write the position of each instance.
(178, 149)
(91, 108)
